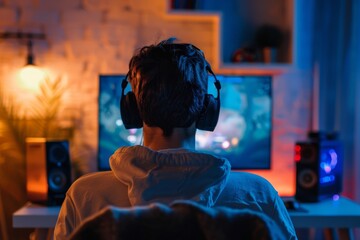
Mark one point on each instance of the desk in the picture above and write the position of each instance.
(35, 216)
(342, 214)
(42, 218)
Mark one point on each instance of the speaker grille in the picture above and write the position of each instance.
(309, 153)
(57, 180)
(58, 153)
(307, 178)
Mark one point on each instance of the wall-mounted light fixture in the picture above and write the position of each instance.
(30, 72)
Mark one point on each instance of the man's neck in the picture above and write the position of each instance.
(180, 138)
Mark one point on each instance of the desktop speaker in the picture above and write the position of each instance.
(318, 169)
(48, 170)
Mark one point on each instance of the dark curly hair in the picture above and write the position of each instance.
(169, 81)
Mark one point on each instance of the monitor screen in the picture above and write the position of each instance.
(242, 135)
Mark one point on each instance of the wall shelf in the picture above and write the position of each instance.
(238, 23)
(253, 68)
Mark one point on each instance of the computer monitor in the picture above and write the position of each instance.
(242, 135)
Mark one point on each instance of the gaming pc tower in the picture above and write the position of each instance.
(319, 167)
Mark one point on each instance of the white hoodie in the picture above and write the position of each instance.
(140, 176)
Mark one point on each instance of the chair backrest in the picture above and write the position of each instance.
(181, 220)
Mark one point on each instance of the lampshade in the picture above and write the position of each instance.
(31, 76)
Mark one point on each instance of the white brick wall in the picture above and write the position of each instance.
(80, 17)
(38, 17)
(8, 16)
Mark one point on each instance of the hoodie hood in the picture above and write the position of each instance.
(169, 175)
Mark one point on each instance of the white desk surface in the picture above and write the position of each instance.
(35, 216)
(343, 213)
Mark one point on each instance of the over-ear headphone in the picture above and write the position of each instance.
(206, 121)
(129, 110)
(210, 113)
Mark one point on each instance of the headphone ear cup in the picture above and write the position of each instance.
(129, 111)
(210, 114)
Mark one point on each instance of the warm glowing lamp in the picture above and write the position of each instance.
(31, 75)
